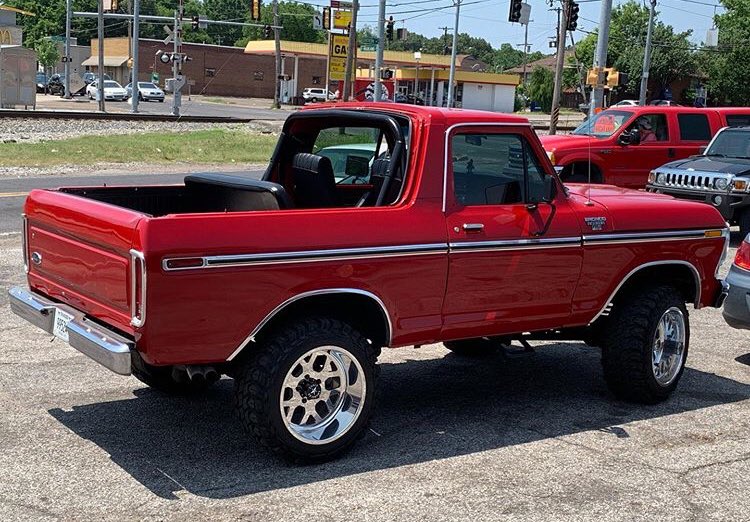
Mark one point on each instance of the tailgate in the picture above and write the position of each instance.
(78, 251)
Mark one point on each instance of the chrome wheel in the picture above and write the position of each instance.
(668, 350)
(322, 395)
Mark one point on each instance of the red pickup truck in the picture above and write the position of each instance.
(440, 225)
(623, 144)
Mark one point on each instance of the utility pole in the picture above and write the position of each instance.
(445, 37)
(135, 91)
(68, 21)
(100, 66)
(351, 53)
(647, 55)
(562, 22)
(177, 33)
(277, 53)
(600, 57)
(379, 53)
(525, 51)
(452, 75)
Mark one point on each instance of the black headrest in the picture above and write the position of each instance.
(226, 181)
(379, 168)
(312, 163)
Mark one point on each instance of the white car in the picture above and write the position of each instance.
(314, 94)
(147, 91)
(112, 90)
(626, 103)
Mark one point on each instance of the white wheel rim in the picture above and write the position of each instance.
(668, 350)
(322, 395)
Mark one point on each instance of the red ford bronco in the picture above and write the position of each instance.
(375, 225)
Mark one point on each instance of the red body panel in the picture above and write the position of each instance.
(629, 165)
(205, 315)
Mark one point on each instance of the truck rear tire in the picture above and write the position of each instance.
(474, 348)
(646, 345)
(164, 379)
(308, 391)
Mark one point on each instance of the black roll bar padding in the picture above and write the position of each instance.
(344, 118)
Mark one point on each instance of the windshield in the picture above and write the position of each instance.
(146, 85)
(112, 85)
(603, 124)
(731, 144)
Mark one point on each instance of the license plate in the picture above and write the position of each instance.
(60, 326)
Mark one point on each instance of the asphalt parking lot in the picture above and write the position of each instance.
(535, 438)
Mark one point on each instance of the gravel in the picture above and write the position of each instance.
(35, 130)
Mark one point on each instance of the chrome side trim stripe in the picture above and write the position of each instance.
(642, 237)
(517, 244)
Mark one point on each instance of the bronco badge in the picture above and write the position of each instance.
(596, 223)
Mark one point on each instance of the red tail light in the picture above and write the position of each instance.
(742, 259)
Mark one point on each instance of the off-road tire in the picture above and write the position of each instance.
(474, 348)
(627, 346)
(163, 379)
(259, 381)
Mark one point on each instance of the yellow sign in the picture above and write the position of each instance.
(337, 62)
(342, 19)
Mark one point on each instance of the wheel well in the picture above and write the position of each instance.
(364, 312)
(681, 276)
(578, 171)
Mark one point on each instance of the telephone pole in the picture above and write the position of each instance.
(68, 21)
(445, 30)
(647, 55)
(135, 91)
(351, 53)
(525, 51)
(600, 58)
(379, 53)
(562, 23)
(452, 75)
(100, 66)
(277, 53)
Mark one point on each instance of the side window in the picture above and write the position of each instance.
(694, 127)
(738, 120)
(652, 127)
(351, 151)
(492, 169)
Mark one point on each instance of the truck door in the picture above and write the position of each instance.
(513, 265)
(631, 163)
(694, 130)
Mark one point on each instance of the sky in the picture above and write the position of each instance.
(489, 18)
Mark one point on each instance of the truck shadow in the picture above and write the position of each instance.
(428, 409)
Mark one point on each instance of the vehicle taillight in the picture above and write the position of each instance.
(742, 258)
(137, 288)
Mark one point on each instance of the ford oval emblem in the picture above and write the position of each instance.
(36, 258)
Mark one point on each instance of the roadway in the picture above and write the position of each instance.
(13, 191)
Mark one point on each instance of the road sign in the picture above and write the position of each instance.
(342, 19)
(170, 35)
(155, 78)
(318, 21)
(337, 63)
(368, 48)
(337, 4)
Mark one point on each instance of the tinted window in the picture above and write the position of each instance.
(738, 120)
(694, 127)
(490, 169)
(604, 124)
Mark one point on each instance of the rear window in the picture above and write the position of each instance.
(694, 127)
(738, 120)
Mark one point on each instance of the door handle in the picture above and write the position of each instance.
(473, 227)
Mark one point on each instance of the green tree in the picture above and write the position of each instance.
(47, 53)
(541, 86)
(296, 20)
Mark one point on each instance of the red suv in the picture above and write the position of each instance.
(624, 144)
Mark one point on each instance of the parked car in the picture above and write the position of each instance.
(736, 306)
(147, 91)
(112, 90)
(315, 94)
(89, 77)
(293, 284)
(56, 85)
(626, 103)
(664, 103)
(720, 176)
(622, 145)
(42, 82)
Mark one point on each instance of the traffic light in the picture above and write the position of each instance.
(515, 10)
(572, 15)
(267, 32)
(389, 29)
(255, 10)
(326, 18)
(196, 20)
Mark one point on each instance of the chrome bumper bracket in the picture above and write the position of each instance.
(106, 347)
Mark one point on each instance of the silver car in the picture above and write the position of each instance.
(147, 91)
(737, 304)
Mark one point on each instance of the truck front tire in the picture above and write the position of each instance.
(646, 345)
(308, 391)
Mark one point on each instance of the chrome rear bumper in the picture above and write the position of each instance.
(109, 349)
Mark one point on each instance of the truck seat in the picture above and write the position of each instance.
(314, 183)
(224, 193)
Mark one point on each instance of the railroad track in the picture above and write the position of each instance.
(89, 115)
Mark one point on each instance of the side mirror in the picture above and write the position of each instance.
(624, 138)
(546, 193)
